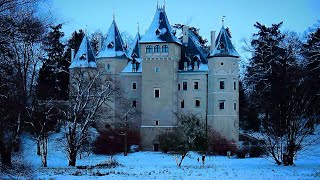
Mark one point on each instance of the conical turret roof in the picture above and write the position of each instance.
(84, 58)
(135, 47)
(113, 45)
(160, 29)
(224, 47)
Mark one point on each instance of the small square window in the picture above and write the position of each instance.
(134, 103)
(197, 103)
(221, 105)
(156, 123)
(196, 85)
(185, 86)
(157, 69)
(235, 85)
(157, 93)
(179, 87)
(182, 104)
(134, 85)
(221, 84)
(235, 106)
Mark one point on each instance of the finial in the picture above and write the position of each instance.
(164, 4)
(113, 15)
(157, 4)
(223, 20)
(138, 27)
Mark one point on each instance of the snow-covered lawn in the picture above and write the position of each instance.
(156, 165)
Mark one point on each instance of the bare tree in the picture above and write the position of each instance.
(90, 90)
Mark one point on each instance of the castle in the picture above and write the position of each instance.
(162, 75)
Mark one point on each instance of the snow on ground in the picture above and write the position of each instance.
(156, 165)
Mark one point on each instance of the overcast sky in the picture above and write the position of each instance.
(241, 15)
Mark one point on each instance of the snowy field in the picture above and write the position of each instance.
(156, 165)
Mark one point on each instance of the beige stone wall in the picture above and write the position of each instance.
(190, 95)
(225, 121)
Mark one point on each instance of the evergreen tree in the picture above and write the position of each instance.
(52, 75)
(73, 43)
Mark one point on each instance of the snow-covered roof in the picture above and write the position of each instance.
(135, 47)
(224, 46)
(160, 29)
(113, 45)
(129, 67)
(84, 58)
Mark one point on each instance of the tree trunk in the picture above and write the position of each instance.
(6, 156)
(72, 158)
(38, 147)
(182, 157)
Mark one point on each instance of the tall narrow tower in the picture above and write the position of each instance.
(223, 90)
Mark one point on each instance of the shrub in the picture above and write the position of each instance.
(169, 141)
(218, 144)
(113, 142)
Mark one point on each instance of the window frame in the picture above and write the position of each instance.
(222, 84)
(197, 103)
(134, 86)
(157, 69)
(196, 85)
(165, 49)
(154, 93)
(134, 103)
(182, 104)
(185, 85)
(222, 105)
(156, 49)
(149, 49)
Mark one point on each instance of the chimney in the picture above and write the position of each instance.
(72, 54)
(185, 34)
(213, 40)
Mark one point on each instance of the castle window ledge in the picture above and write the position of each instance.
(164, 54)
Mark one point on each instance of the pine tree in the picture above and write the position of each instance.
(53, 71)
(73, 43)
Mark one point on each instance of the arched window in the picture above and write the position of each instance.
(157, 49)
(149, 49)
(165, 48)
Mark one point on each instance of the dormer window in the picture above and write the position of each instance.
(185, 66)
(134, 67)
(196, 65)
(110, 45)
(83, 57)
(221, 46)
(157, 49)
(149, 49)
(165, 49)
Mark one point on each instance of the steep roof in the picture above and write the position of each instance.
(224, 47)
(113, 45)
(84, 58)
(160, 29)
(135, 47)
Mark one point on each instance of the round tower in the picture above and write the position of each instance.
(223, 87)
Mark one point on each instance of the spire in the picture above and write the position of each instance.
(113, 45)
(160, 29)
(138, 27)
(84, 58)
(224, 46)
(113, 16)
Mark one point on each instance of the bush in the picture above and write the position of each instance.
(169, 141)
(218, 144)
(113, 142)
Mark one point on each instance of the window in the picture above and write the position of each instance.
(157, 69)
(156, 49)
(197, 103)
(221, 105)
(165, 48)
(156, 123)
(134, 103)
(108, 67)
(179, 87)
(235, 85)
(156, 93)
(185, 66)
(134, 67)
(182, 104)
(221, 84)
(134, 85)
(196, 85)
(196, 65)
(235, 106)
(185, 86)
(149, 49)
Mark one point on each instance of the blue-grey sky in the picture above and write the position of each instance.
(241, 15)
